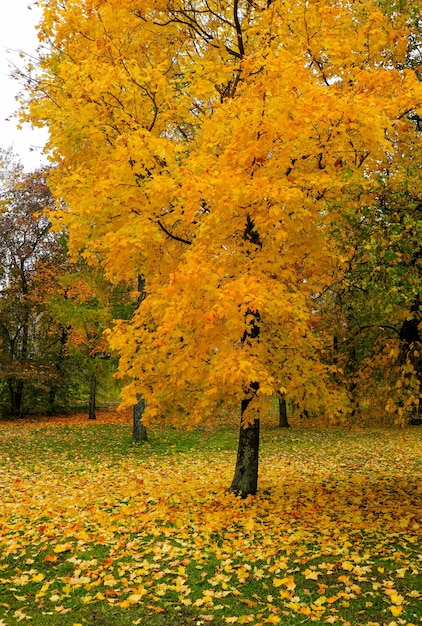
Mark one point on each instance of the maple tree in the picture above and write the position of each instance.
(216, 148)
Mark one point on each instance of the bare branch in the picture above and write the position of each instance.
(175, 237)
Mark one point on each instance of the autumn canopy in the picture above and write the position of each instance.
(218, 148)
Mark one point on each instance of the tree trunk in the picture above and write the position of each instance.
(245, 479)
(92, 398)
(282, 412)
(52, 392)
(59, 370)
(16, 396)
(411, 341)
(139, 431)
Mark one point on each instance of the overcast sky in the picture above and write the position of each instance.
(18, 20)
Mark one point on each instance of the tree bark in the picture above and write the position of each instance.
(92, 415)
(16, 396)
(411, 344)
(59, 370)
(139, 432)
(245, 479)
(282, 412)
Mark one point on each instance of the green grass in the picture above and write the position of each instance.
(107, 441)
(90, 520)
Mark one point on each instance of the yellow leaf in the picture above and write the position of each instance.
(396, 610)
(400, 573)
(288, 582)
(396, 598)
(134, 598)
(347, 566)
(124, 604)
(344, 579)
(62, 547)
(37, 578)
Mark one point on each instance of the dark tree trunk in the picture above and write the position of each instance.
(59, 369)
(92, 414)
(16, 397)
(52, 392)
(411, 339)
(282, 412)
(354, 400)
(245, 479)
(139, 432)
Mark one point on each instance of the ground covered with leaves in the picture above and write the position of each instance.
(96, 530)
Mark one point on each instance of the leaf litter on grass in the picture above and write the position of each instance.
(333, 535)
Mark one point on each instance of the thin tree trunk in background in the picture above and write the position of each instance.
(52, 392)
(92, 415)
(139, 432)
(59, 367)
(16, 396)
(282, 412)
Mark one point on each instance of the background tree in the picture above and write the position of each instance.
(31, 257)
(85, 304)
(379, 319)
(218, 149)
(374, 311)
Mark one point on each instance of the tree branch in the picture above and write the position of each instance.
(169, 234)
(238, 29)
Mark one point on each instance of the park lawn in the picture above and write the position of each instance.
(96, 530)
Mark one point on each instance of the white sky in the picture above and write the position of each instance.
(18, 20)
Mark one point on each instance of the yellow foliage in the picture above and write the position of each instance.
(214, 154)
(396, 610)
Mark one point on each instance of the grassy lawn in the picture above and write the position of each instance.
(96, 530)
